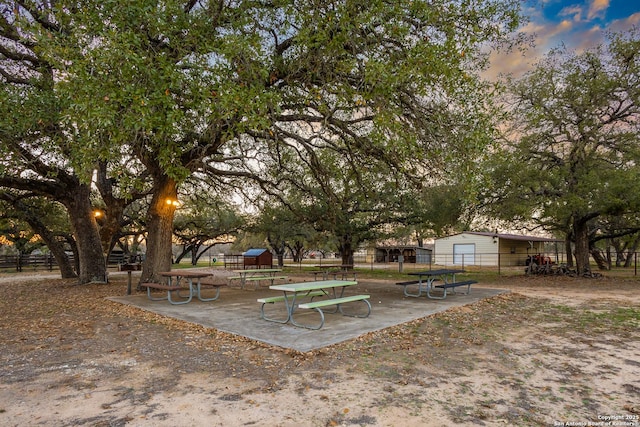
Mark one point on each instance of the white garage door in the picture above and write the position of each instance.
(464, 254)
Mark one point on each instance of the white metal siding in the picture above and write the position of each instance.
(464, 254)
(486, 252)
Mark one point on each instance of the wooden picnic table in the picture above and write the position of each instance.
(426, 279)
(256, 275)
(326, 269)
(194, 279)
(331, 293)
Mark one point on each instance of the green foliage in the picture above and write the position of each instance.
(202, 221)
(439, 211)
(573, 154)
(18, 211)
(368, 97)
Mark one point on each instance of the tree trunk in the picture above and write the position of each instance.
(346, 250)
(160, 230)
(57, 250)
(56, 247)
(186, 250)
(279, 248)
(110, 220)
(569, 252)
(581, 236)
(620, 251)
(202, 252)
(91, 261)
(194, 253)
(297, 250)
(600, 260)
(631, 251)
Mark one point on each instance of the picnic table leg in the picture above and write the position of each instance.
(444, 295)
(129, 282)
(357, 315)
(420, 286)
(335, 296)
(272, 319)
(199, 290)
(178, 302)
(177, 291)
(293, 322)
(435, 297)
(152, 298)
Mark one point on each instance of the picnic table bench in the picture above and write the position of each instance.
(169, 289)
(257, 275)
(293, 292)
(453, 285)
(196, 281)
(327, 270)
(426, 280)
(288, 299)
(338, 302)
(411, 283)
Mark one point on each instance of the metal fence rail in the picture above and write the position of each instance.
(502, 263)
(20, 262)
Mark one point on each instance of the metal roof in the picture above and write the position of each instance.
(506, 236)
(254, 252)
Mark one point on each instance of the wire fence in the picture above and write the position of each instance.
(501, 263)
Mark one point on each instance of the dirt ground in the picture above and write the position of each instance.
(554, 351)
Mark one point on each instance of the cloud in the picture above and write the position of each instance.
(578, 30)
(517, 63)
(586, 39)
(573, 11)
(597, 9)
(625, 24)
(547, 33)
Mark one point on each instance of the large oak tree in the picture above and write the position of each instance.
(185, 85)
(572, 158)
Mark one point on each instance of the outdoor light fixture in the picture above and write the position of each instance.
(495, 238)
(172, 202)
(99, 215)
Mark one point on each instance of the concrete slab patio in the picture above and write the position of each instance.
(237, 312)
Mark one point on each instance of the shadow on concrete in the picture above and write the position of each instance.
(237, 312)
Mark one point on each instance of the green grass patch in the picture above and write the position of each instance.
(595, 318)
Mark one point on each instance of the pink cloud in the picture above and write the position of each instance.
(575, 12)
(627, 23)
(597, 8)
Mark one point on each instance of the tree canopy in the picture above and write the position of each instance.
(156, 91)
(573, 154)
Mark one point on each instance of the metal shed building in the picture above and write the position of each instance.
(489, 249)
(257, 258)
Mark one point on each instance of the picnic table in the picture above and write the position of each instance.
(326, 269)
(257, 275)
(330, 292)
(195, 281)
(426, 279)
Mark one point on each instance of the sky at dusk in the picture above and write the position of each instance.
(578, 24)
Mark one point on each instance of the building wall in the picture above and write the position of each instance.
(505, 251)
(486, 252)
